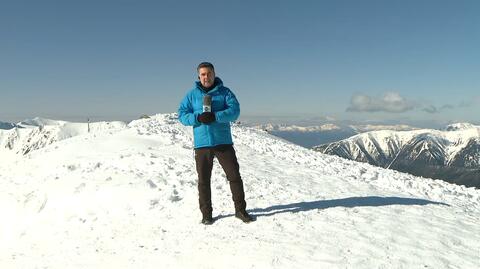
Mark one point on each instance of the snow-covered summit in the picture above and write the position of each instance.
(127, 198)
(460, 126)
(295, 128)
(359, 128)
(37, 122)
(6, 125)
(37, 133)
(362, 128)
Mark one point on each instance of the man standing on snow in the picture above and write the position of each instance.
(210, 107)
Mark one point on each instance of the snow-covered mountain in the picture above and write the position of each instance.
(6, 125)
(452, 155)
(362, 128)
(37, 133)
(38, 122)
(460, 126)
(285, 127)
(310, 136)
(126, 197)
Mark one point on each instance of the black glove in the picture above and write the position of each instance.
(206, 117)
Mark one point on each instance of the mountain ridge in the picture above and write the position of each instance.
(445, 153)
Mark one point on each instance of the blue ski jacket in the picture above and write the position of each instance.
(225, 106)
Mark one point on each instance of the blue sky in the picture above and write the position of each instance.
(405, 61)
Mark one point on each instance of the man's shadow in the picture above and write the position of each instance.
(367, 201)
(350, 202)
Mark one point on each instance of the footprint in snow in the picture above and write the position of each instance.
(80, 187)
(175, 197)
(151, 184)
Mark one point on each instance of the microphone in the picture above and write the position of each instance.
(207, 103)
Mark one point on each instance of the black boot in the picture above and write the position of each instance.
(244, 216)
(207, 220)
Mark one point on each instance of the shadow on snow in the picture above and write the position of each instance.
(345, 202)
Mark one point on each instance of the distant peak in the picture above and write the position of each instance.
(37, 121)
(297, 128)
(6, 125)
(459, 126)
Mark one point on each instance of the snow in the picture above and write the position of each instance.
(378, 127)
(41, 132)
(40, 122)
(452, 141)
(126, 197)
(332, 127)
(460, 126)
(296, 128)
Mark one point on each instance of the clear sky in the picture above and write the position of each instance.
(406, 60)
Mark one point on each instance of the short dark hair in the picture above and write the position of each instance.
(205, 64)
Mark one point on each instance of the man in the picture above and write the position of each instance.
(212, 137)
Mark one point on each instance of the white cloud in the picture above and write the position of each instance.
(390, 102)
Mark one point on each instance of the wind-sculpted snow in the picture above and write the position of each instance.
(127, 198)
(167, 127)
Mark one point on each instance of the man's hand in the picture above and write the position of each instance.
(206, 117)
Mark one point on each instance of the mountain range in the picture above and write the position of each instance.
(33, 134)
(125, 196)
(310, 136)
(452, 154)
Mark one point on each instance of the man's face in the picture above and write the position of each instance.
(206, 76)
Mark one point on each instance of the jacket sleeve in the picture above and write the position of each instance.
(232, 112)
(185, 112)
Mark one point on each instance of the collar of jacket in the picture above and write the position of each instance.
(218, 84)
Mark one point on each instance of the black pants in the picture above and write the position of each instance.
(228, 160)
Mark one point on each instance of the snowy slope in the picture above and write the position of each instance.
(37, 133)
(452, 140)
(127, 198)
(40, 122)
(452, 154)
